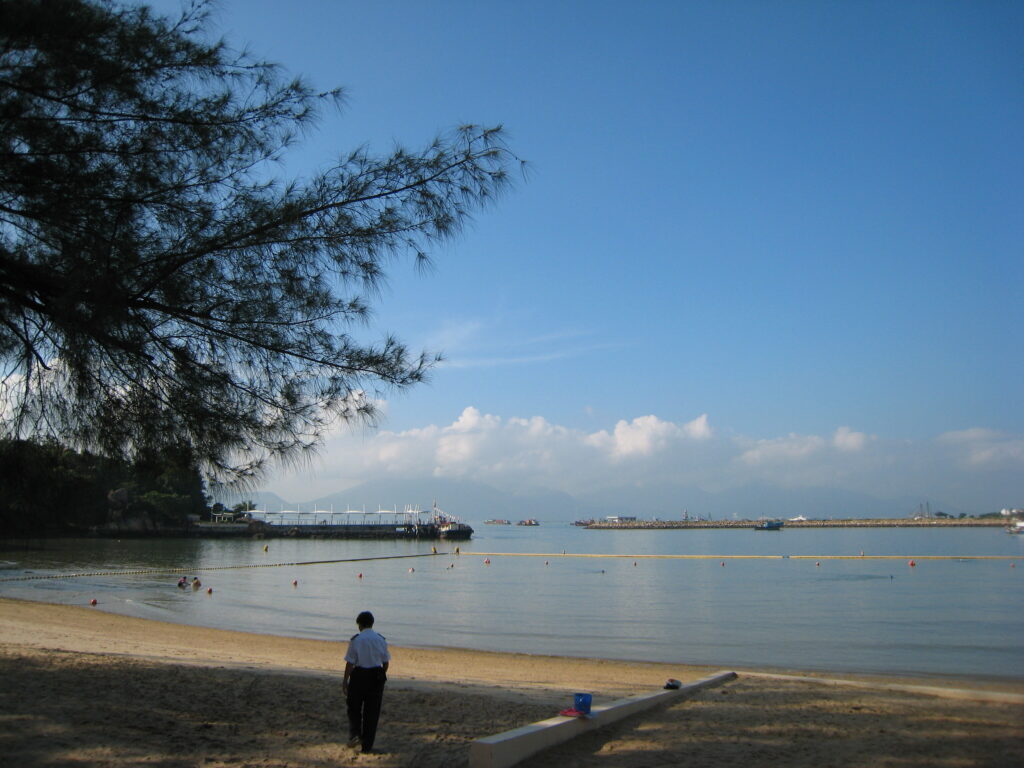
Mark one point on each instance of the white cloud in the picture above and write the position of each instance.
(646, 435)
(699, 429)
(782, 450)
(845, 439)
(985, 448)
(478, 344)
(532, 452)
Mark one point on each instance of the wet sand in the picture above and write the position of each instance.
(86, 688)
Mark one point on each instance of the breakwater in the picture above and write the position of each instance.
(848, 523)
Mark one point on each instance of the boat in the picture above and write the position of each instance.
(768, 525)
(497, 521)
(1017, 527)
(528, 521)
(449, 527)
(584, 523)
(413, 523)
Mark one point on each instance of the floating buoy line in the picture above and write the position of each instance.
(743, 557)
(722, 558)
(143, 571)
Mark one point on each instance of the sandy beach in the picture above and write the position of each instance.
(86, 688)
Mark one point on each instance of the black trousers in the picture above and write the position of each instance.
(365, 691)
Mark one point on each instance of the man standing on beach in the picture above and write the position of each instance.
(366, 671)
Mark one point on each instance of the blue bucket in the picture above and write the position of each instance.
(581, 702)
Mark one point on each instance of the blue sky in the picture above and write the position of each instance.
(774, 242)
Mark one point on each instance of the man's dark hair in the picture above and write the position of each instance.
(364, 619)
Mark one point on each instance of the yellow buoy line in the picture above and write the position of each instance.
(143, 571)
(742, 557)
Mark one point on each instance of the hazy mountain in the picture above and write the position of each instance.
(476, 502)
(262, 499)
(750, 502)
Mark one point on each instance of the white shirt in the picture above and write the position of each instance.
(367, 650)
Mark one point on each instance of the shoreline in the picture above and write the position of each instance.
(90, 688)
(88, 629)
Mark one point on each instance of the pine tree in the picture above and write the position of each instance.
(159, 287)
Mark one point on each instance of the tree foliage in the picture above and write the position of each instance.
(46, 488)
(158, 285)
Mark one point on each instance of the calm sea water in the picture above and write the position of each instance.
(943, 617)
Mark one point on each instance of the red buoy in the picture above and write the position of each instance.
(360, 575)
(487, 561)
(295, 582)
(817, 565)
(722, 563)
(93, 601)
(912, 564)
(209, 590)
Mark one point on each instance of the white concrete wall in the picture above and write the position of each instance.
(512, 747)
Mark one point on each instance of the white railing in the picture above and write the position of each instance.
(383, 517)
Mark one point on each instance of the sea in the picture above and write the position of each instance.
(833, 599)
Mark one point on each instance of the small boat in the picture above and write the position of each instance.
(528, 521)
(449, 527)
(1017, 527)
(497, 521)
(768, 525)
(584, 523)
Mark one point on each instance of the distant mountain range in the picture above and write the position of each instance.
(476, 502)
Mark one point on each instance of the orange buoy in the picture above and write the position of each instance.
(93, 601)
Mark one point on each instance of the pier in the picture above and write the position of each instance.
(885, 522)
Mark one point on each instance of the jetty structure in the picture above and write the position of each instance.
(411, 523)
(885, 522)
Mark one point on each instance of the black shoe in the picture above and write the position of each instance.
(353, 741)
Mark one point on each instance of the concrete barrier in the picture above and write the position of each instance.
(512, 747)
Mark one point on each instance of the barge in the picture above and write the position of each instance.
(412, 523)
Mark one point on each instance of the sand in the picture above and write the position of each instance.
(86, 688)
